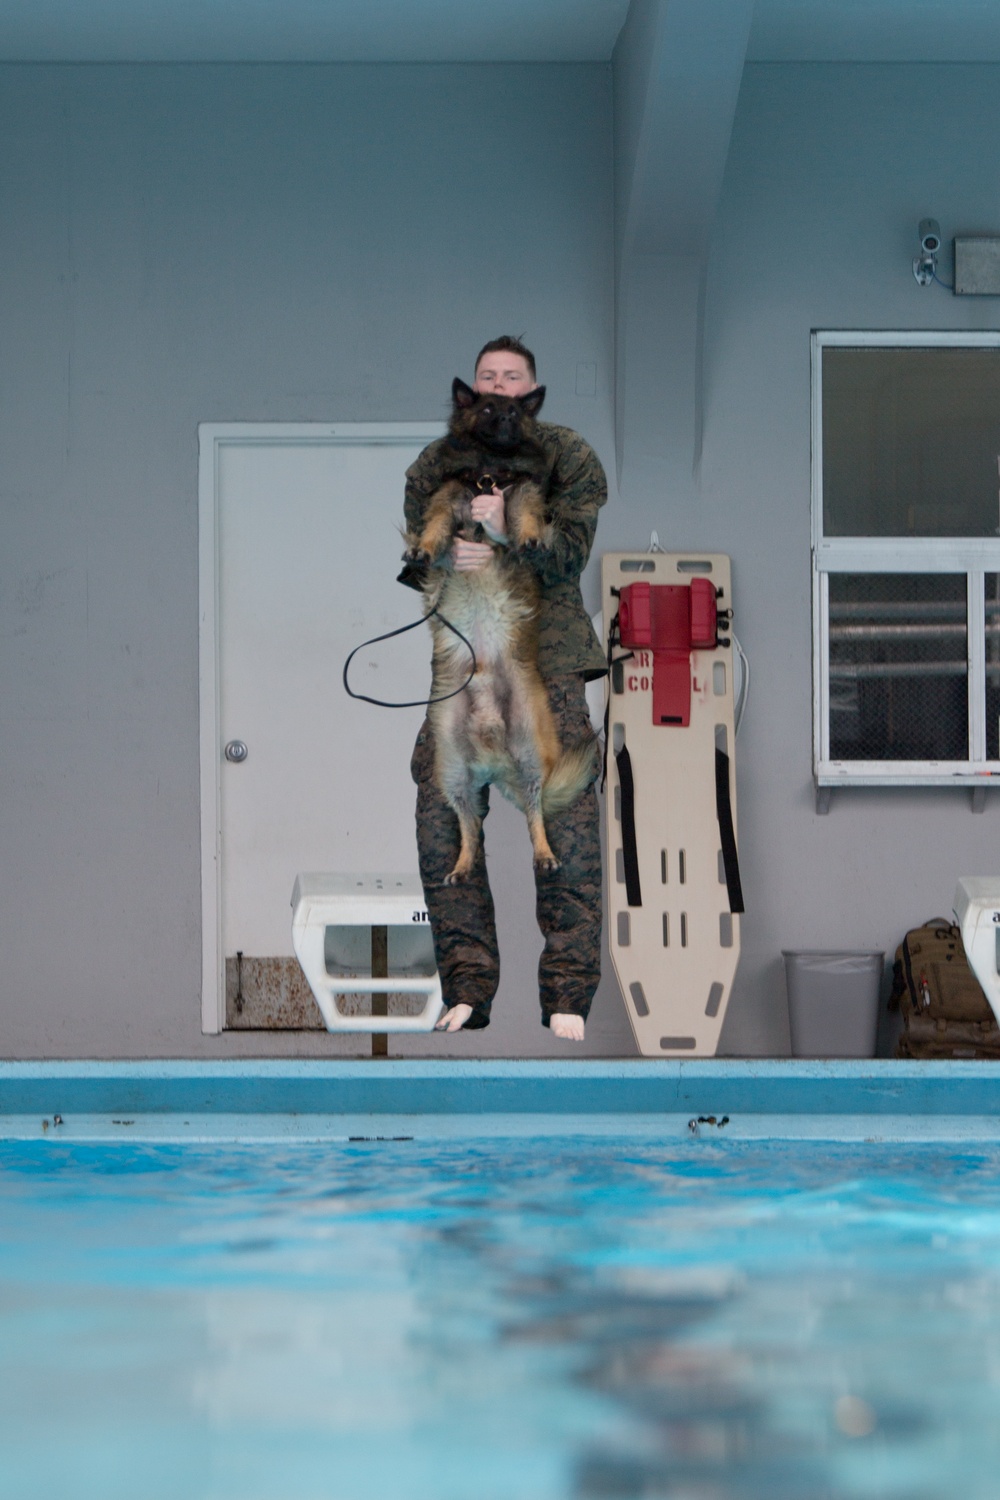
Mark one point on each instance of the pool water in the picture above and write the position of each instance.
(500, 1320)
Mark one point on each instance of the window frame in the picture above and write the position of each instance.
(973, 556)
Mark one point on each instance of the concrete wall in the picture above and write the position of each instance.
(829, 172)
(184, 245)
(181, 245)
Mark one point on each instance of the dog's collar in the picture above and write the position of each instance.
(485, 481)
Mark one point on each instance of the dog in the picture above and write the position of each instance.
(499, 730)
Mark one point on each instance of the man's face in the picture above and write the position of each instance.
(504, 373)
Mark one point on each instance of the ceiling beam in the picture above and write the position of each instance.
(677, 71)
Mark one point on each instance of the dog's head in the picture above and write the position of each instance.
(501, 424)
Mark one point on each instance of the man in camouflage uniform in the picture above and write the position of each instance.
(568, 900)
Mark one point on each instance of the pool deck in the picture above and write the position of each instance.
(712, 1099)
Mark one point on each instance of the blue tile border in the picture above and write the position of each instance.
(748, 1088)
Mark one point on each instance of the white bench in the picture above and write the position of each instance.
(366, 934)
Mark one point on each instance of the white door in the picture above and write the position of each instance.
(300, 547)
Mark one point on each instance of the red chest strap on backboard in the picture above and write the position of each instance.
(670, 620)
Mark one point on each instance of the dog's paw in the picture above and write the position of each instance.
(458, 876)
(547, 864)
(530, 544)
(416, 556)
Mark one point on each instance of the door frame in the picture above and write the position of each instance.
(213, 437)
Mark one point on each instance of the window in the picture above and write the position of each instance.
(906, 559)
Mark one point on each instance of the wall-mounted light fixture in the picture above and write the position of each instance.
(925, 264)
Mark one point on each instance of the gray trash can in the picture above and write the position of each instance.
(833, 1002)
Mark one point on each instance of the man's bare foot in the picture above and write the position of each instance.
(455, 1018)
(570, 1028)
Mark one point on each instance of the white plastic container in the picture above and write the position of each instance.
(977, 912)
(332, 921)
(833, 1000)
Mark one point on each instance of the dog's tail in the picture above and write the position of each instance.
(573, 771)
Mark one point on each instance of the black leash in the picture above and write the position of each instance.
(417, 702)
(414, 576)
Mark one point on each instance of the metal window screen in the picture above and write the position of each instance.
(910, 441)
(992, 666)
(898, 682)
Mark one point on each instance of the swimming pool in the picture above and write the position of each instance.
(490, 1309)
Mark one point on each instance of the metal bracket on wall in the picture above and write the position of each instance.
(977, 800)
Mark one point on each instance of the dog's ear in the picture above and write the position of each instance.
(531, 404)
(462, 395)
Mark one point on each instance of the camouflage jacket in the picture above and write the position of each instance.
(576, 490)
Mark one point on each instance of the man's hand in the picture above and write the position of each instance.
(488, 510)
(469, 557)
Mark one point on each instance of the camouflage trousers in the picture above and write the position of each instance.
(567, 900)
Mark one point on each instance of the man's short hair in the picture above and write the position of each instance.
(507, 344)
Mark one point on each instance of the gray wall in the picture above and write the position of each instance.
(829, 172)
(181, 245)
(193, 244)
